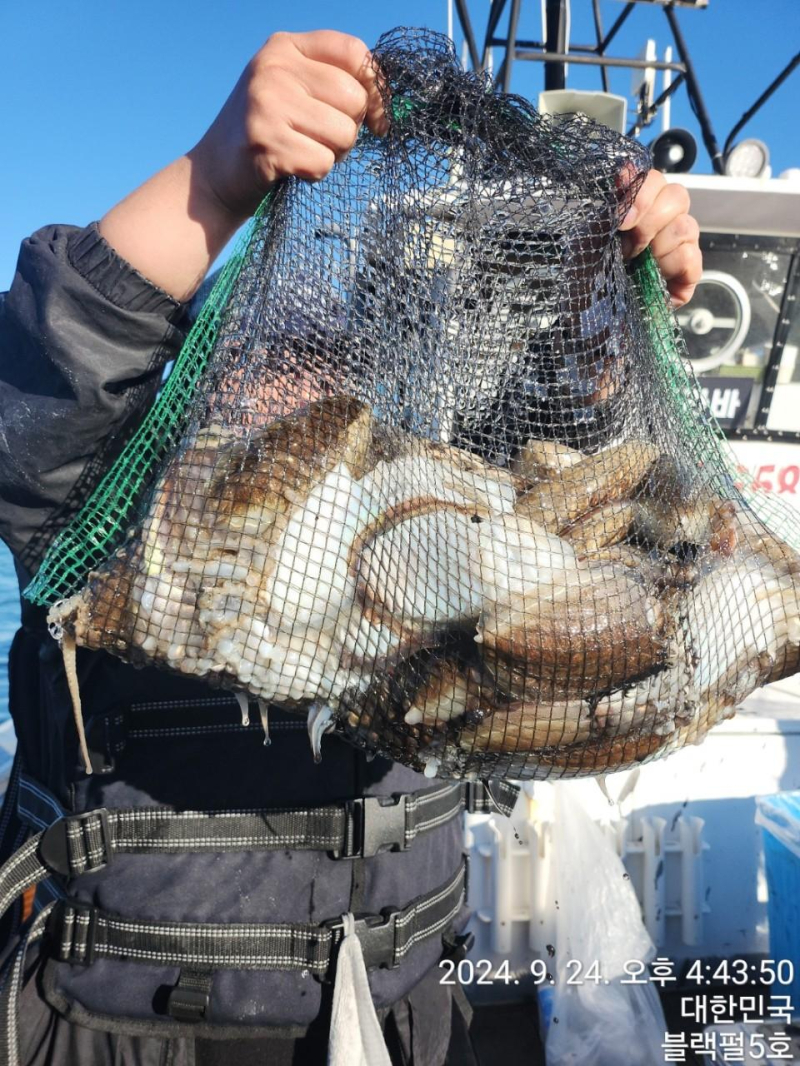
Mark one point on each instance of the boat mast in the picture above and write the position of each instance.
(555, 51)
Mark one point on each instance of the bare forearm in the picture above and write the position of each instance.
(295, 110)
(171, 228)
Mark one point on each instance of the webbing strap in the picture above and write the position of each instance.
(80, 844)
(84, 933)
(9, 996)
(361, 827)
(491, 797)
(22, 870)
(86, 842)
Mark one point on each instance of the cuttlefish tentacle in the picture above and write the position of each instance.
(263, 710)
(68, 647)
(527, 726)
(552, 624)
(321, 720)
(244, 707)
(540, 460)
(604, 526)
(596, 480)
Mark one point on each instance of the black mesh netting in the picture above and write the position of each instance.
(434, 474)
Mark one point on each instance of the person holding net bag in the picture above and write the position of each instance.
(91, 318)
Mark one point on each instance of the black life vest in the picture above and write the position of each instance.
(198, 876)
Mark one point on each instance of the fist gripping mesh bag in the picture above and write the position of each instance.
(430, 469)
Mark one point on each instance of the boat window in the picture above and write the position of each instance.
(784, 411)
(729, 328)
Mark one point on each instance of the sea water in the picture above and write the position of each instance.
(9, 621)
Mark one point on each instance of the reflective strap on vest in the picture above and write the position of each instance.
(13, 975)
(22, 870)
(83, 933)
(491, 797)
(76, 844)
(83, 843)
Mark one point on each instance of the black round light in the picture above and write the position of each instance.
(674, 151)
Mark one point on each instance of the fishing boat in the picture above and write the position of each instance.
(684, 828)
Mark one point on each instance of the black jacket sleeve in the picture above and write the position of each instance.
(83, 342)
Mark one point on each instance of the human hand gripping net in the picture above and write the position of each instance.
(430, 470)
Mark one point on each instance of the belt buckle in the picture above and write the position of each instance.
(376, 934)
(383, 825)
(54, 849)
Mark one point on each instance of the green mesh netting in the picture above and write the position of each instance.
(99, 526)
(432, 471)
(701, 430)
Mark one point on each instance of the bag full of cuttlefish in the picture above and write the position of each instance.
(431, 472)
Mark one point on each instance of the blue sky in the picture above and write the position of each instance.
(98, 94)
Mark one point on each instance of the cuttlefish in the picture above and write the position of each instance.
(291, 565)
(736, 628)
(594, 652)
(428, 603)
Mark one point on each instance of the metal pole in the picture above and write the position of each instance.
(469, 36)
(781, 78)
(511, 47)
(495, 12)
(598, 29)
(666, 113)
(555, 31)
(612, 33)
(605, 61)
(695, 95)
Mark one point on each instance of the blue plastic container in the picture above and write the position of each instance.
(779, 817)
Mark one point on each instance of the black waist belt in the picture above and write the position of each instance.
(78, 844)
(84, 843)
(82, 933)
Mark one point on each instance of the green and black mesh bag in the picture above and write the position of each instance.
(431, 471)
